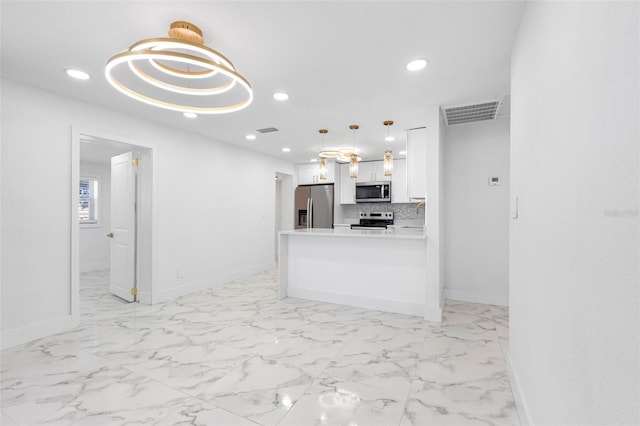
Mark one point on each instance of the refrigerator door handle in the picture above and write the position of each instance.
(310, 223)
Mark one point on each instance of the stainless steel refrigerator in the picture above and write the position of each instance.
(314, 206)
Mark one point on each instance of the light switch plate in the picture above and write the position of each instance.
(514, 208)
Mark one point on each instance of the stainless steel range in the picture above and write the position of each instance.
(374, 220)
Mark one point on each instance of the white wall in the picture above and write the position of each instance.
(477, 228)
(207, 221)
(574, 248)
(94, 244)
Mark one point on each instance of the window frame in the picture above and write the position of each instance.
(97, 200)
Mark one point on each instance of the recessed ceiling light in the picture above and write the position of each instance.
(190, 114)
(403, 153)
(80, 75)
(389, 139)
(286, 149)
(280, 96)
(251, 137)
(314, 160)
(417, 64)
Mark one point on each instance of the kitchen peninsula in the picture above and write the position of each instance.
(374, 269)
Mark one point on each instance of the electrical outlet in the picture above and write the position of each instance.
(180, 272)
(495, 181)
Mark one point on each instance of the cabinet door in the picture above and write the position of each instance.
(331, 173)
(417, 163)
(347, 186)
(372, 171)
(378, 172)
(365, 171)
(309, 174)
(399, 182)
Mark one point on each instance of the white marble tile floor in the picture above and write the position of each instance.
(236, 355)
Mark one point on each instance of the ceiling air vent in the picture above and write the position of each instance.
(267, 130)
(470, 113)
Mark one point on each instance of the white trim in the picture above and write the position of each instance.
(27, 333)
(476, 297)
(144, 297)
(194, 286)
(518, 396)
(87, 225)
(433, 314)
(406, 308)
(77, 135)
(74, 267)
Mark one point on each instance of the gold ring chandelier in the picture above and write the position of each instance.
(340, 154)
(163, 64)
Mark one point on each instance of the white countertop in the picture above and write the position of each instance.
(398, 233)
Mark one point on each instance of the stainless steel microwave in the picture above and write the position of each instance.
(373, 192)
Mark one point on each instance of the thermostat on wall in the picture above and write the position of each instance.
(495, 181)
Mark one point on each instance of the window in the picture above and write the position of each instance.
(88, 212)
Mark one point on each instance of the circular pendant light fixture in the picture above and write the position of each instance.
(179, 73)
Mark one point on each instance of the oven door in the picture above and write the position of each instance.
(373, 192)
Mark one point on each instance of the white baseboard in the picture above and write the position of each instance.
(358, 301)
(144, 297)
(433, 314)
(476, 297)
(177, 291)
(27, 333)
(518, 396)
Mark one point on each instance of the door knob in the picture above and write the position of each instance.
(110, 235)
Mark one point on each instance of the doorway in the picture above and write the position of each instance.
(92, 247)
(283, 207)
(278, 205)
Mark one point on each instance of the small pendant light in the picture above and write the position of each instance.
(323, 160)
(353, 163)
(388, 156)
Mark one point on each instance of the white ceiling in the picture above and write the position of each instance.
(341, 62)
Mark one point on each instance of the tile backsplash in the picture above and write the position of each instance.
(401, 211)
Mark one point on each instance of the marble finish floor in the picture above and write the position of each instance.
(236, 355)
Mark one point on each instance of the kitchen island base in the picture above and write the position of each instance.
(378, 270)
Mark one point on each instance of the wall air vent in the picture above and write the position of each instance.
(471, 113)
(267, 130)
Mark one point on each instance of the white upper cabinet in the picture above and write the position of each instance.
(399, 182)
(309, 174)
(417, 163)
(372, 171)
(365, 172)
(347, 186)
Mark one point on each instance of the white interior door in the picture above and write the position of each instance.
(123, 227)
